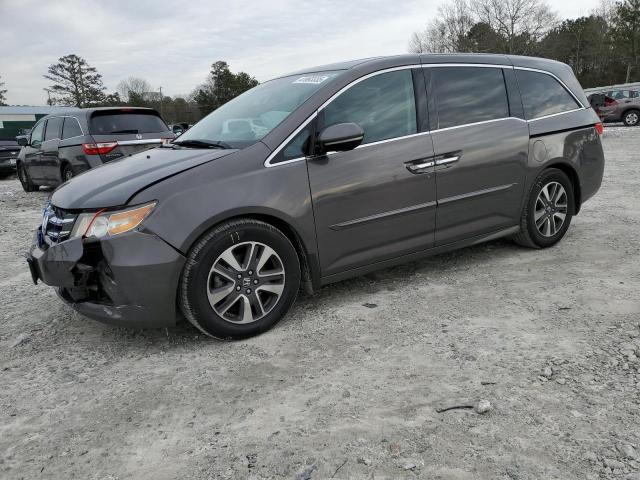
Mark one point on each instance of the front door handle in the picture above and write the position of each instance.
(420, 166)
(447, 160)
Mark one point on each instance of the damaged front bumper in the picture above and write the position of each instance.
(127, 280)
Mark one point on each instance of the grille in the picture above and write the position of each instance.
(57, 223)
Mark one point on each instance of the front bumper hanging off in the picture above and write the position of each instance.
(127, 280)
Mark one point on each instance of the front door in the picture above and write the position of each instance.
(49, 160)
(33, 152)
(481, 151)
(376, 202)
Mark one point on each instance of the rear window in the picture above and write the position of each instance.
(119, 122)
(543, 95)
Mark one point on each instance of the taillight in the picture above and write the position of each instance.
(599, 128)
(98, 148)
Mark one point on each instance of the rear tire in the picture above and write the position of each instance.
(631, 118)
(548, 210)
(67, 173)
(239, 279)
(25, 179)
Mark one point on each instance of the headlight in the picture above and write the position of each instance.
(105, 223)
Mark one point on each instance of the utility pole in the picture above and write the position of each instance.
(161, 103)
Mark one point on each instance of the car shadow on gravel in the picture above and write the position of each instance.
(393, 278)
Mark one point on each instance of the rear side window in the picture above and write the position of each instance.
(543, 95)
(469, 94)
(383, 105)
(118, 122)
(53, 128)
(71, 128)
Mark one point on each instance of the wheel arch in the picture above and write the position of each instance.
(308, 259)
(572, 173)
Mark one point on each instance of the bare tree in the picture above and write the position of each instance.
(447, 32)
(521, 23)
(133, 90)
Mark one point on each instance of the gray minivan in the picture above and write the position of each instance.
(321, 175)
(61, 146)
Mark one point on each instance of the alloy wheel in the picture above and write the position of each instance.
(245, 282)
(551, 209)
(632, 118)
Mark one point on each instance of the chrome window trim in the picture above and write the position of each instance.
(556, 114)
(268, 164)
(554, 76)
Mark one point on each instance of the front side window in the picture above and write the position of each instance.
(53, 128)
(37, 134)
(247, 118)
(543, 95)
(383, 105)
(468, 95)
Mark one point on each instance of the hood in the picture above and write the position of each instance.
(113, 184)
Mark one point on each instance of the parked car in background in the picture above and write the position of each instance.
(179, 128)
(618, 106)
(60, 147)
(356, 166)
(9, 150)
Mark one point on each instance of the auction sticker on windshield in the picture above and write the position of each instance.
(314, 79)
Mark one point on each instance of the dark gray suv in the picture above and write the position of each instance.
(318, 176)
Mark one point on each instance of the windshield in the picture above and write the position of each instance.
(249, 117)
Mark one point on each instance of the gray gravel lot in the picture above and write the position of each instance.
(342, 390)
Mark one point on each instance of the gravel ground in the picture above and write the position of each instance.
(349, 384)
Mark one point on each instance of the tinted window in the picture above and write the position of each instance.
(469, 94)
(71, 128)
(126, 123)
(37, 133)
(53, 128)
(543, 95)
(384, 106)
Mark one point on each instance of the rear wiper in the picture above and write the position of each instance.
(125, 131)
(202, 144)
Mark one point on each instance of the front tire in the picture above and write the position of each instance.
(631, 118)
(239, 279)
(25, 179)
(548, 210)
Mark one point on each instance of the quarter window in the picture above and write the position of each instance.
(469, 94)
(53, 128)
(383, 105)
(543, 95)
(71, 128)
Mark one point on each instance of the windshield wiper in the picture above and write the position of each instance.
(125, 131)
(201, 144)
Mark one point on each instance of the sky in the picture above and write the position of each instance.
(172, 44)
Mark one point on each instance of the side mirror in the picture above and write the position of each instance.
(341, 137)
(22, 140)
